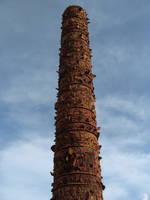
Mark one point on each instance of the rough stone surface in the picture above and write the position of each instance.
(77, 172)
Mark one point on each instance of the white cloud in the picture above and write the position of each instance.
(124, 172)
(33, 86)
(145, 197)
(124, 115)
(114, 191)
(124, 169)
(24, 170)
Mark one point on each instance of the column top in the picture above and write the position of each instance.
(74, 10)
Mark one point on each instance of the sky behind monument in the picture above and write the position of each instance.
(30, 39)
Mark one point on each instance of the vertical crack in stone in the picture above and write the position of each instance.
(77, 172)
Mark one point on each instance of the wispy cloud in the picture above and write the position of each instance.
(145, 197)
(123, 138)
(25, 167)
(128, 114)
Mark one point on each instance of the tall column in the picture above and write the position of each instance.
(77, 172)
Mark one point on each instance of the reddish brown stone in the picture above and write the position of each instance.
(77, 172)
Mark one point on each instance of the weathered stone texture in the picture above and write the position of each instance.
(77, 172)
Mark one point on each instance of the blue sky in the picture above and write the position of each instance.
(29, 43)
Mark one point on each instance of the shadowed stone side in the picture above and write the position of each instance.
(77, 172)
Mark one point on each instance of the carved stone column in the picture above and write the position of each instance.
(77, 172)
